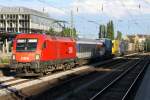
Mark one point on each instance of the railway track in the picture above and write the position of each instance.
(14, 86)
(120, 87)
(72, 87)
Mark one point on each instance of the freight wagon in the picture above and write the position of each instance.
(108, 47)
(115, 47)
(118, 47)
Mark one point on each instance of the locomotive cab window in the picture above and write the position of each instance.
(26, 45)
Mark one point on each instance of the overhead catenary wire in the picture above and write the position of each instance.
(135, 22)
(133, 19)
(102, 9)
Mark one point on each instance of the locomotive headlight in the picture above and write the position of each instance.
(37, 57)
(13, 57)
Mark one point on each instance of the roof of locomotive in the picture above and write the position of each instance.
(26, 35)
(44, 36)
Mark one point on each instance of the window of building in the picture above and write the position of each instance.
(14, 17)
(7, 16)
(22, 16)
(10, 16)
(1, 16)
(11, 25)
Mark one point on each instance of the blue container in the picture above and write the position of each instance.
(108, 46)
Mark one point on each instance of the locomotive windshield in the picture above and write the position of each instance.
(26, 45)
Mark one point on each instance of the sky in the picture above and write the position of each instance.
(129, 16)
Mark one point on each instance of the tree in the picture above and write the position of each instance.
(119, 35)
(66, 32)
(3, 38)
(51, 32)
(110, 30)
(74, 33)
(69, 32)
(102, 31)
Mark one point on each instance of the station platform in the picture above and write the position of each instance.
(143, 92)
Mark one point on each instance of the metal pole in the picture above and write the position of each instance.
(71, 30)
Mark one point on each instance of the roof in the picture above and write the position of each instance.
(138, 35)
(23, 10)
(130, 36)
(24, 35)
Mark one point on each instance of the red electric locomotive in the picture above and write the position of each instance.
(37, 53)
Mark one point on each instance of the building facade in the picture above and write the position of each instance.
(25, 20)
(138, 41)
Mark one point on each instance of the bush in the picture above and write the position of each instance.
(5, 61)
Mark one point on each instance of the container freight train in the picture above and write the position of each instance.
(36, 54)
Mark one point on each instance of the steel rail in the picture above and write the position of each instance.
(145, 66)
(21, 95)
(116, 63)
(115, 80)
(120, 64)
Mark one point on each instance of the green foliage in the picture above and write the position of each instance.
(110, 30)
(147, 45)
(3, 38)
(102, 31)
(68, 32)
(51, 32)
(4, 60)
(119, 35)
(107, 31)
